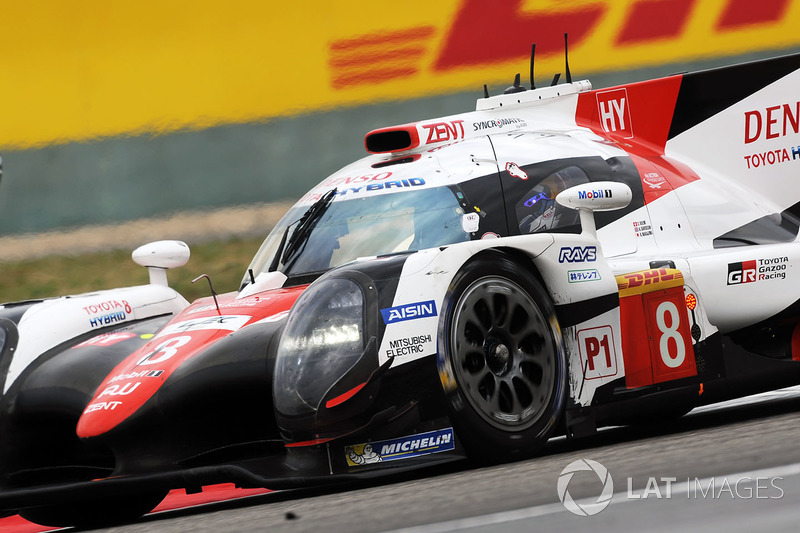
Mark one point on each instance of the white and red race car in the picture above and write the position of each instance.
(559, 259)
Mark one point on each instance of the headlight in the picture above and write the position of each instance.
(322, 341)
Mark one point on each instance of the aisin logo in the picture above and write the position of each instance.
(586, 509)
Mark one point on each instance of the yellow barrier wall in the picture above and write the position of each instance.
(89, 69)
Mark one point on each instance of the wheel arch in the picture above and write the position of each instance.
(506, 428)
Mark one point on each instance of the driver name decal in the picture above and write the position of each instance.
(411, 311)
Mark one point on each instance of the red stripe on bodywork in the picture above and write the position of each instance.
(344, 397)
(636, 116)
(134, 381)
(661, 175)
(307, 443)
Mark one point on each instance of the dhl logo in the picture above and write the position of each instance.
(484, 32)
(219, 65)
(648, 281)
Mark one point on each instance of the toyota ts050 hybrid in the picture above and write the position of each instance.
(557, 260)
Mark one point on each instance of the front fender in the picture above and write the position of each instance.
(574, 272)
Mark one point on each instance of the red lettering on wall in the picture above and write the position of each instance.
(659, 19)
(489, 32)
(739, 13)
(378, 57)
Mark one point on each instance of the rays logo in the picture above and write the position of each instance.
(577, 254)
(585, 509)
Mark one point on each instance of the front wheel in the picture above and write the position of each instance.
(502, 359)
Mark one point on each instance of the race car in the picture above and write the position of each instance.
(557, 260)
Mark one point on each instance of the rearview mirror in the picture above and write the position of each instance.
(595, 196)
(159, 256)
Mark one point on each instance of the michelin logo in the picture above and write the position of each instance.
(361, 455)
(409, 312)
(402, 448)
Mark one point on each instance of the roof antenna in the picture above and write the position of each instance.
(555, 79)
(516, 88)
(566, 58)
(485, 91)
(533, 53)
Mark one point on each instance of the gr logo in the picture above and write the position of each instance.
(744, 272)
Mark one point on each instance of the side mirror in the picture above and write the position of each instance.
(159, 256)
(595, 196)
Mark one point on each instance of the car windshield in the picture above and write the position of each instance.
(349, 228)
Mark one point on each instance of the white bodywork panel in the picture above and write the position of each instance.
(52, 322)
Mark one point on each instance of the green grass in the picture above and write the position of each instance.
(225, 262)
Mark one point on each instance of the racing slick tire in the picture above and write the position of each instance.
(502, 360)
(96, 513)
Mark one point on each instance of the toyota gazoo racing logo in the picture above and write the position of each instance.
(585, 508)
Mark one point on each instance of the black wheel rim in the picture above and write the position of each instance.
(504, 353)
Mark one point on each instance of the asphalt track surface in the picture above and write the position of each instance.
(736, 468)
